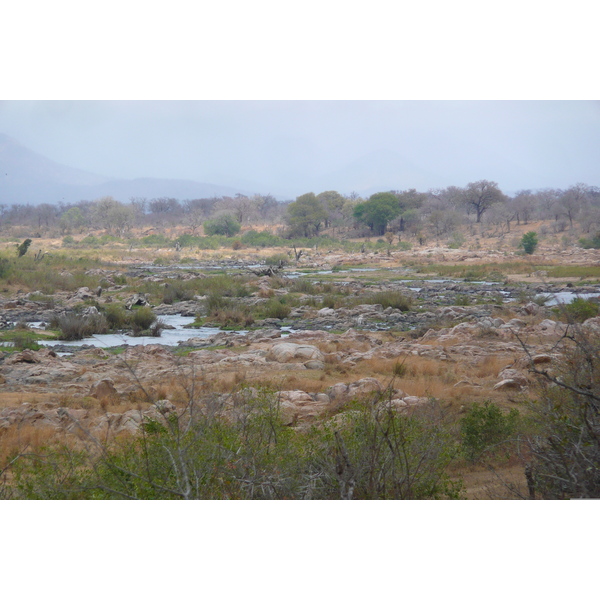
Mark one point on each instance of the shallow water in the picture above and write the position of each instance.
(566, 297)
(169, 337)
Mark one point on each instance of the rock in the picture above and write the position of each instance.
(314, 364)
(337, 391)
(514, 375)
(27, 356)
(414, 400)
(508, 384)
(164, 406)
(539, 359)
(362, 387)
(288, 351)
(295, 397)
(104, 390)
(514, 324)
(136, 300)
(83, 293)
(531, 308)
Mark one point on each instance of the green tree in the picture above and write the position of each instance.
(224, 224)
(529, 242)
(378, 211)
(71, 220)
(306, 216)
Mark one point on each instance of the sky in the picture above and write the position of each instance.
(292, 147)
(273, 99)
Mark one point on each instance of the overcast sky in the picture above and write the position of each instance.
(290, 147)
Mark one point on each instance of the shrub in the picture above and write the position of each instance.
(22, 248)
(529, 242)
(388, 299)
(176, 291)
(5, 268)
(116, 316)
(593, 242)
(485, 426)
(276, 308)
(262, 239)
(577, 311)
(142, 319)
(277, 259)
(564, 445)
(302, 286)
(225, 224)
(76, 327)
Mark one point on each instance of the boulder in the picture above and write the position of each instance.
(513, 375)
(362, 387)
(508, 384)
(104, 390)
(289, 352)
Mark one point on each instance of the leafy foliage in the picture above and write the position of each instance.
(225, 224)
(529, 242)
(485, 426)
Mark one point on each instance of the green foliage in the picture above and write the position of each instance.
(388, 299)
(22, 248)
(372, 453)
(529, 242)
(142, 319)
(578, 311)
(5, 268)
(306, 216)
(276, 308)
(177, 291)
(262, 239)
(378, 211)
(277, 259)
(156, 240)
(564, 444)
(225, 224)
(116, 316)
(485, 427)
(593, 242)
(76, 327)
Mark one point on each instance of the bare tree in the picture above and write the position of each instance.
(480, 196)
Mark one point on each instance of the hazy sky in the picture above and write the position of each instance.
(290, 147)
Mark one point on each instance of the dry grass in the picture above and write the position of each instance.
(19, 438)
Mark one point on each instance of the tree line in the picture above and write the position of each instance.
(435, 213)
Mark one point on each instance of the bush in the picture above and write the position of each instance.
(388, 299)
(276, 308)
(116, 316)
(529, 242)
(262, 239)
(142, 319)
(277, 259)
(577, 311)
(76, 327)
(484, 427)
(564, 445)
(222, 225)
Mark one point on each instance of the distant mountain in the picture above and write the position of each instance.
(27, 177)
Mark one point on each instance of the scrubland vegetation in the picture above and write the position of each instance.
(430, 414)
